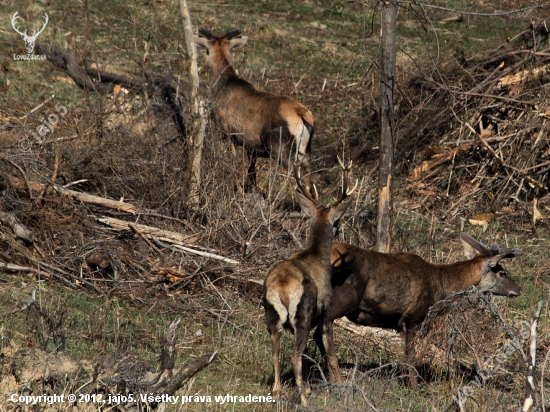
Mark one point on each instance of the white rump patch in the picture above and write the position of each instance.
(301, 137)
(295, 297)
(274, 299)
(285, 313)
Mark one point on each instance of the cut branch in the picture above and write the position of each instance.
(149, 231)
(18, 228)
(180, 248)
(530, 384)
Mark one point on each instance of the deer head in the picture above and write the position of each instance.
(494, 278)
(29, 40)
(309, 201)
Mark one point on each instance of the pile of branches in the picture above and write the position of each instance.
(475, 134)
(467, 335)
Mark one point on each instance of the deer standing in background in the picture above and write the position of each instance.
(266, 124)
(396, 290)
(297, 291)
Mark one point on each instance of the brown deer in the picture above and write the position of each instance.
(396, 290)
(266, 124)
(297, 291)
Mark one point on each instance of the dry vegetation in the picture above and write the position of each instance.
(473, 153)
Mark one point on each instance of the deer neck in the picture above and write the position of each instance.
(221, 68)
(460, 275)
(320, 241)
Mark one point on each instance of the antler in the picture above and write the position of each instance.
(13, 19)
(345, 192)
(314, 198)
(494, 250)
(506, 251)
(230, 34)
(206, 33)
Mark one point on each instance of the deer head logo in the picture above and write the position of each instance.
(29, 40)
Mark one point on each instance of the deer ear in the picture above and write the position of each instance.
(338, 211)
(307, 206)
(493, 261)
(469, 251)
(241, 41)
(201, 41)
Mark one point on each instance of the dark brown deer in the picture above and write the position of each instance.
(266, 124)
(297, 291)
(396, 290)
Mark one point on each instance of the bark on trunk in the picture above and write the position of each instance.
(198, 126)
(387, 126)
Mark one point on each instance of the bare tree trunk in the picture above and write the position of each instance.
(387, 126)
(196, 137)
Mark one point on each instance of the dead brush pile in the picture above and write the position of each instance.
(102, 199)
(474, 135)
(467, 341)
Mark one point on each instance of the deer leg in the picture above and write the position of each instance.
(332, 360)
(318, 339)
(407, 334)
(275, 349)
(410, 355)
(251, 174)
(300, 342)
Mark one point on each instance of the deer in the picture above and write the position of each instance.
(29, 40)
(264, 123)
(396, 290)
(297, 292)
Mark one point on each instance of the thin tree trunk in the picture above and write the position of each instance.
(198, 126)
(387, 126)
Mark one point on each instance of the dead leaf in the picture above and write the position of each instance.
(521, 76)
(485, 217)
(64, 79)
(486, 133)
(482, 223)
(172, 278)
(318, 25)
(116, 89)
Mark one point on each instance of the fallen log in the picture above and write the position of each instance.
(68, 60)
(392, 343)
(176, 239)
(148, 231)
(81, 196)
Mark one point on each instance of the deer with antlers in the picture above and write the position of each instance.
(266, 124)
(297, 291)
(396, 290)
(29, 40)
